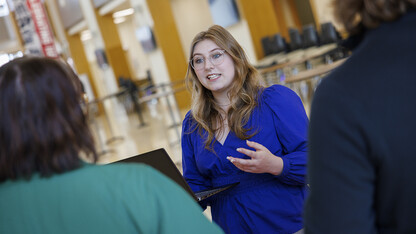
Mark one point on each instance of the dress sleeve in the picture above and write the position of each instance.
(171, 209)
(191, 173)
(291, 123)
(340, 173)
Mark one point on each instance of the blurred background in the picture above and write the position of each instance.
(132, 55)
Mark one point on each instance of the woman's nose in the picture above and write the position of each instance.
(208, 64)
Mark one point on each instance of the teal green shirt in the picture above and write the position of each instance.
(116, 198)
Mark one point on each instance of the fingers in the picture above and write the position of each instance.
(247, 152)
(251, 153)
(255, 145)
(239, 161)
(259, 161)
(242, 164)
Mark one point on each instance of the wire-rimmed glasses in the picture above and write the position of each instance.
(198, 61)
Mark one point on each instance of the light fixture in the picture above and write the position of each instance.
(86, 35)
(119, 20)
(123, 13)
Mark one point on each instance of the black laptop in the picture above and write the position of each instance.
(161, 161)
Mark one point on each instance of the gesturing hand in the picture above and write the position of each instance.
(262, 161)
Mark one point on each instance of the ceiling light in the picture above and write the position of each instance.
(119, 20)
(123, 13)
(86, 35)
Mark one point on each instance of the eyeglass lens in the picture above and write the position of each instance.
(216, 58)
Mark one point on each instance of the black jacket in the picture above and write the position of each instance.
(362, 161)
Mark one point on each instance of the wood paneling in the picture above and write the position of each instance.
(315, 15)
(261, 19)
(113, 47)
(81, 64)
(280, 18)
(295, 15)
(78, 55)
(167, 38)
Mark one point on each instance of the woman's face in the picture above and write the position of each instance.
(213, 67)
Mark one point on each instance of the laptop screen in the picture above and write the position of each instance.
(161, 161)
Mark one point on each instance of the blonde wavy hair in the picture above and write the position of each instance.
(356, 15)
(243, 93)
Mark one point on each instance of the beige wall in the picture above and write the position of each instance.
(141, 61)
(241, 33)
(193, 16)
(290, 23)
(137, 58)
(324, 12)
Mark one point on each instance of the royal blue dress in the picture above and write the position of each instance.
(261, 203)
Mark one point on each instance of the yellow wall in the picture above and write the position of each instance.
(167, 38)
(113, 47)
(261, 19)
(80, 60)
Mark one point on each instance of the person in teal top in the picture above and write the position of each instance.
(46, 188)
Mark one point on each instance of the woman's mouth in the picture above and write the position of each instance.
(213, 76)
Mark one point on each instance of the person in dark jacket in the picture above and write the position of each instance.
(362, 159)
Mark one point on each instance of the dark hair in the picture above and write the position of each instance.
(356, 15)
(43, 128)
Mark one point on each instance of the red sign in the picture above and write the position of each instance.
(42, 27)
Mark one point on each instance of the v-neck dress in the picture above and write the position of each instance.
(261, 203)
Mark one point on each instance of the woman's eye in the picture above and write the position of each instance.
(216, 56)
(198, 60)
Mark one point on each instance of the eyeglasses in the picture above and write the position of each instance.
(216, 58)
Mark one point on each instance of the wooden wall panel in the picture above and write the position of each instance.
(315, 15)
(295, 16)
(167, 38)
(81, 64)
(280, 18)
(261, 19)
(113, 47)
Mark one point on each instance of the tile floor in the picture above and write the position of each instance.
(120, 133)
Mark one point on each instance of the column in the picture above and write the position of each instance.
(167, 38)
(113, 47)
(261, 19)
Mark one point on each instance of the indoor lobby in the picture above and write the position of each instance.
(276, 163)
(147, 44)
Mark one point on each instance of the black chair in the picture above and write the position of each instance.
(274, 44)
(265, 42)
(329, 34)
(295, 39)
(310, 36)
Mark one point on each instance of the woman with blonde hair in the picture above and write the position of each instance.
(239, 131)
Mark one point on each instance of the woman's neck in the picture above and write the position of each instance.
(223, 102)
